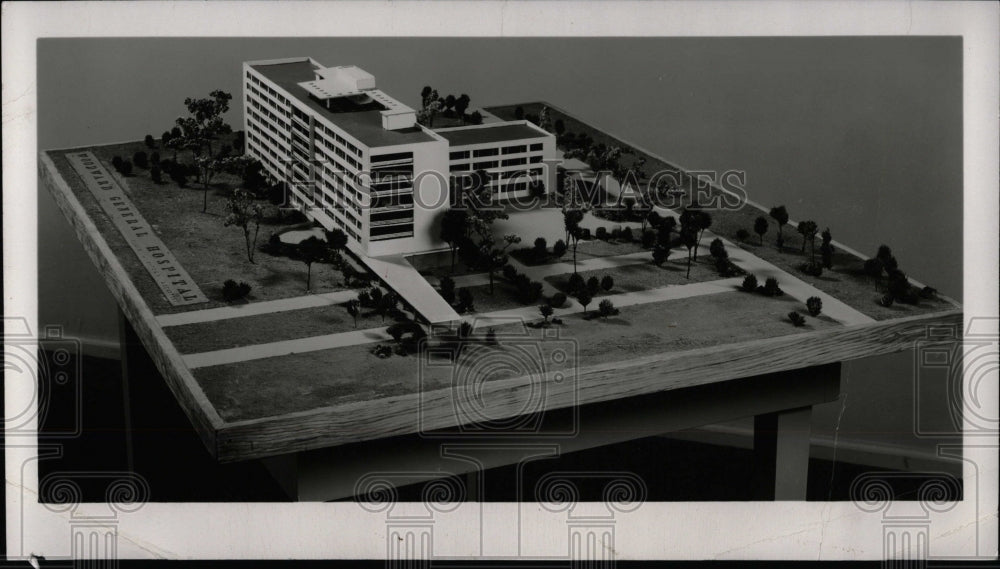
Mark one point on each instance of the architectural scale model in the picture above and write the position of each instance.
(316, 335)
(317, 128)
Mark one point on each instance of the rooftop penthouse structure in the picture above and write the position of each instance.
(356, 159)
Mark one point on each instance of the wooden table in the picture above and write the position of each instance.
(320, 446)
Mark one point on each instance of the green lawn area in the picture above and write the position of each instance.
(209, 251)
(589, 249)
(646, 276)
(299, 382)
(265, 328)
(845, 280)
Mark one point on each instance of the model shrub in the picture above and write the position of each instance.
(742, 235)
(154, 158)
(771, 287)
(140, 159)
(465, 330)
(465, 300)
(815, 305)
(557, 300)
(601, 233)
(593, 285)
(116, 162)
(150, 143)
(749, 283)
(559, 248)
(528, 291)
(406, 333)
(381, 351)
(585, 233)
(796, 318)
(607, 283)
(812, 268)
(873, 268)
(928, 293)
(627, 234)
(233, 291)
(541, 248)
(660, 255)
(886, 300)
(509, 272)
(727, 268)
(126, 168)
(575, 284)
(616, 233)
(178, 177)
(606, 308)
(154, 174)
(648, 238)
(165, 137)
(717, 249)
(491, 336)
(447, 285)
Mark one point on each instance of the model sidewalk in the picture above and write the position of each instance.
(497, 318)
(257, 308)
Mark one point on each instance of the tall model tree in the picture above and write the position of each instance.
(310, 251)
(780, 216)
(454, 228)
(760, 227)
(696, 221)
(244, 212)
(461, 105)
(198, 130)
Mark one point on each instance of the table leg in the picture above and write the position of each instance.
(126, 337)
(781, 454)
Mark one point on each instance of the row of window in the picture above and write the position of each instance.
(383, 232)
(490, 164)
(270, 90)
(483, 152)
(270, 102)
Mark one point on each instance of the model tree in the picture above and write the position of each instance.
(808, 231)
(310, 251)
(780, 216)
(606, 308)
(546, 311)
(689, 238)
(454, 228)
(544, 120)
(354, 309)
(760, 227)
(584, 299)
(244, 213)
(696, 221)
(197, 132)
(826, 249)
(461, 105)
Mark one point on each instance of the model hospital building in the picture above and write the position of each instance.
(356, 159)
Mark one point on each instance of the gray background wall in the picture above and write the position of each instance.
(861, 134)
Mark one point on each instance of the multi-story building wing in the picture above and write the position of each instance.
(355, 158)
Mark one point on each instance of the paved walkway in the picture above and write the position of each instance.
(256, 308)
(286, 347)
(480, 321)
(792, 285)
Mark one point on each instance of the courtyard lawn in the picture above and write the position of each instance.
(587, 249)
(646, 276)
(317, 378)
(209, 251)
(273, 327)
(844, 281)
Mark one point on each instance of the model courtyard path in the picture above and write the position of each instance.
(792, 286)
